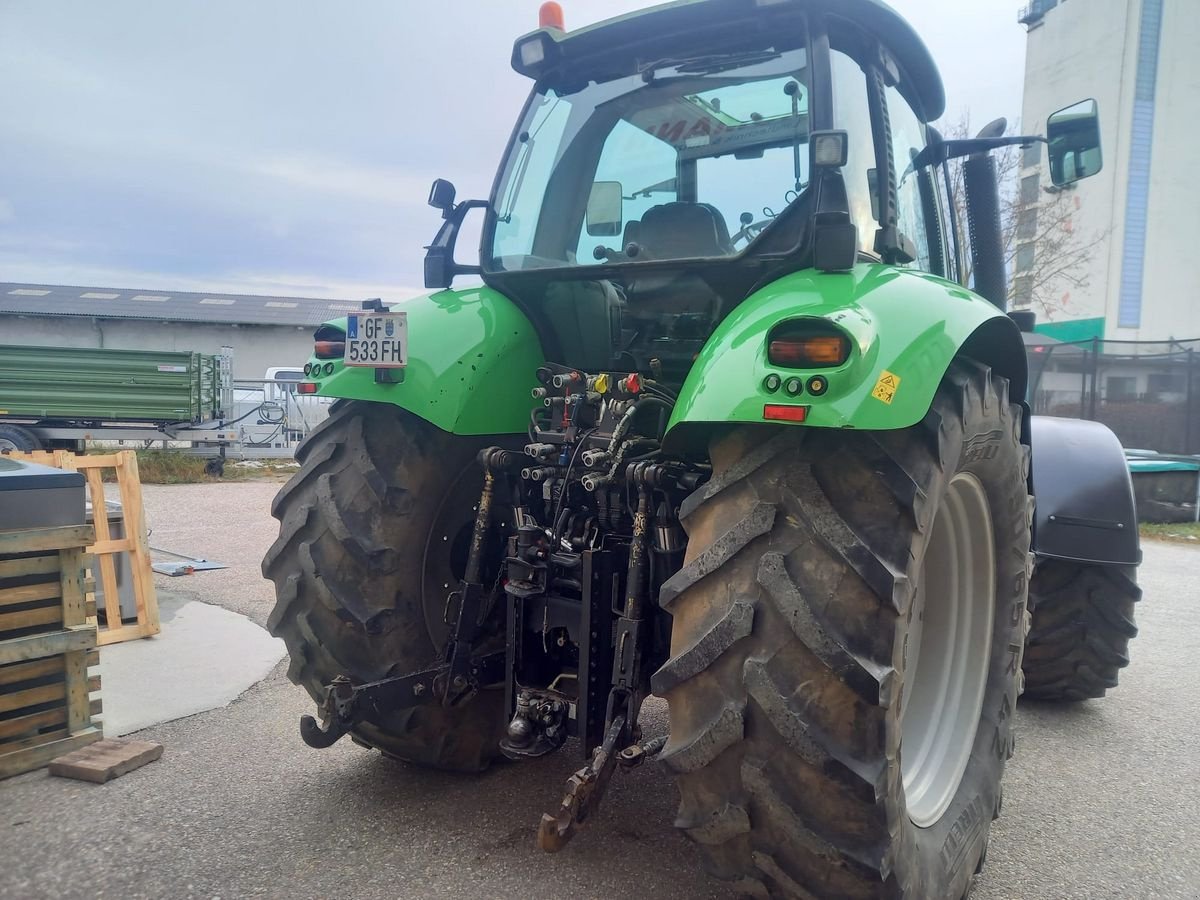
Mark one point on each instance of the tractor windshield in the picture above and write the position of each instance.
(680, 159)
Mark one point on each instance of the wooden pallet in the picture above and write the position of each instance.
(48, 697)
(135, 542)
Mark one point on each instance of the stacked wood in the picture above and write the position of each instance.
(47, 697)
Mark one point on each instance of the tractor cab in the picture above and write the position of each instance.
(668, 163)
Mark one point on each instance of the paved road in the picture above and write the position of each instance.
(1101, 801)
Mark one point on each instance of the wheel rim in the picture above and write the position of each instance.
(7, 446)
(949, 648)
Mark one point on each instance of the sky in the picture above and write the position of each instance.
(287, 146)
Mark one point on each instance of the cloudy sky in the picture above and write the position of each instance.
(286, 146)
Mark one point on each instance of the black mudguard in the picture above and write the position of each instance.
(1081, 483)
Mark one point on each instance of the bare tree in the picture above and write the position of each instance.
(1045, 251)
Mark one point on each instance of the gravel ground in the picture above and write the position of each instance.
(1101, 800)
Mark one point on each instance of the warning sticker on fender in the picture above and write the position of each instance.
(886, 387)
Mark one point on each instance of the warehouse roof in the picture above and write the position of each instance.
(168, 306)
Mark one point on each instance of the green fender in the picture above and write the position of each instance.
(472, 355)
(905, 327)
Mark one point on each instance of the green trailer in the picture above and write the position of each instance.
(55, 395)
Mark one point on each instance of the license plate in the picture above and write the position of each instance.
(377, 339)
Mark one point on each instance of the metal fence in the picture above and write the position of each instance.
(1147, 392)
(271, 418)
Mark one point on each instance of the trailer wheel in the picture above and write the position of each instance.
(1082, 626)
(373, 534)
(14, 437)
(848, 628)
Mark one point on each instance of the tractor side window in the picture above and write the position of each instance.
(851, 112)
(645, 168)
(518, 212)
(908, 139)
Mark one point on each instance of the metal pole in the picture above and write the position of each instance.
(1083, 370)
(1095, 374)
(1187, 419)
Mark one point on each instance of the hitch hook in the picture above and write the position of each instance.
(315, 736)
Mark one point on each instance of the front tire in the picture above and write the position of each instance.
(373, 535)
(799, 714)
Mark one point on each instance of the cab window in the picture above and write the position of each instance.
(908, 139)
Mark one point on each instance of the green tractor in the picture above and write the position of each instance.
(721, 425)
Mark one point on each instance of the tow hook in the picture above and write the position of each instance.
(339, 693)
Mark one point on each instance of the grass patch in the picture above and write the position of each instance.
(176, 467)
(170, 467)
(1179, 532)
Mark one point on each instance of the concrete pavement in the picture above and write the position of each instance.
(1101, 800)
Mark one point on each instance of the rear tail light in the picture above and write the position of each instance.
(329, 342)
(329, 349)
(306, 387)
(801, 345)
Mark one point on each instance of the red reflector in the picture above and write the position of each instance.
(329, 349)
(785, 413)
(306, 387)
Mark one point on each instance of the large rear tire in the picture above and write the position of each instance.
(1082, 625)
(373, 535)
(814, 756)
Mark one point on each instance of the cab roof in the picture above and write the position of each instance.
(606, 49)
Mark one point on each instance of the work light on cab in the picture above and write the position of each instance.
(801, 345)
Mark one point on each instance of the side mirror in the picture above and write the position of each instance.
(1073, 142)
(604, 208)
(441, 195)
(440, 267)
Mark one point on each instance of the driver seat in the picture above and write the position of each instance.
(678, 230)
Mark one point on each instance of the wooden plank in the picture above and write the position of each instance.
(132, 632)
(78, 687)
(89, 611)
(99, 460)
(106, 759)
(31, 565)
(29, 593)
(93, 658)
(47, 693)
(74, 563)
(24, 724)
(34, 740)
(30, 618)
(95, 707)
(130, 484)
(116, 545)
(26, 671)
(108, 569)
(34, 540)
(35, 646)
(36, 757)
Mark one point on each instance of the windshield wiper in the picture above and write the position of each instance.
(706, 65)
(662, 187)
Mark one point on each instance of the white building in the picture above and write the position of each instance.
(264, 332)
(1140, 60)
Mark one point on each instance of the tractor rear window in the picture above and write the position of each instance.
(688, 159)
